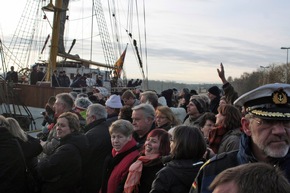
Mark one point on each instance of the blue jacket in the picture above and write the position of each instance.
(227, 160)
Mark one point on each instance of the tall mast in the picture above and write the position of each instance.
(54, 39)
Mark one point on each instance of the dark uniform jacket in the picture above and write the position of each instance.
(61, 172)
(224, 161)
(176, 177)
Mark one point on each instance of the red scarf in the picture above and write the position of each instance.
(215, 138)
(135, 171)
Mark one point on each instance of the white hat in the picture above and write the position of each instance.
(270, 101)
(114, 102)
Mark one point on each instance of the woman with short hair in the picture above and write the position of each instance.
(187, 148)
(62, 170)
(124, 153)
(143, 171)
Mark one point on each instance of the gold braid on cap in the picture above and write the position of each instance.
(278, 99)
(270, 114)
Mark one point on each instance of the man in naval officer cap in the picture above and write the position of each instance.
(266, 137)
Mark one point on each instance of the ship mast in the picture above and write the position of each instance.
(54, 50)
(55, 37)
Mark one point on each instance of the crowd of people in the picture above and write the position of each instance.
(149, 142)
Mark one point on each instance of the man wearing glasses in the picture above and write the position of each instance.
(266, 138)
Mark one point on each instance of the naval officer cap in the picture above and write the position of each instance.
(270, 101)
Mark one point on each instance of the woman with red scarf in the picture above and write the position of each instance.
(226, 136)
(124, 153)
(143, 171)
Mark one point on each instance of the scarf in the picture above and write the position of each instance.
(215, 138)
(135, 171)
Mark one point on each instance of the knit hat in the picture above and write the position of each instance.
(82, 103)
(214, 90)
(199, 103)
(114, 102)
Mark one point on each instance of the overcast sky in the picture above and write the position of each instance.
(187, 39)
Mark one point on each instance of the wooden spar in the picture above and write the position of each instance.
(76, 58)
(54, 52)
(54, 40)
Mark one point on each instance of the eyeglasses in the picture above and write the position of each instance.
(271, 123)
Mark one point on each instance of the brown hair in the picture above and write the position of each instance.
(128, 94)
(232, 116)
(188, 142)
(256, 177)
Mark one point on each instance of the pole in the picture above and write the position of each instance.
(286, 76)
(287, 68)
(264, 70)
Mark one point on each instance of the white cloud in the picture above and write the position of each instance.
(188, 39)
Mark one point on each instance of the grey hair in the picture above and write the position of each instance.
(98, 110)
(67, 99)
(148, 110)
(151, 97)
(15, 129)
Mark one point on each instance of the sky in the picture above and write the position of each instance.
(188, 39)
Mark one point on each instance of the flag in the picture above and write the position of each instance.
(119, 64)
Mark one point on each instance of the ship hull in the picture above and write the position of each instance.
(37, 95)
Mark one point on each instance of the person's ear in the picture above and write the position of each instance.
(246, 126)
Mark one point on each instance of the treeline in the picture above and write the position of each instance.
(248, 81)
(270, 74)
(164, 85)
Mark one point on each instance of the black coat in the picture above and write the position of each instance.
(99, 139)
(148, 175)
(61, 172)
(176, 177)
(12, 168)
(31, 149)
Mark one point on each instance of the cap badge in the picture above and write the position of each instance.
(279, 97)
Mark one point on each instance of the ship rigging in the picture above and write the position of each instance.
(37, 35)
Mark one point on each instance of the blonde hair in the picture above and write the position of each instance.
(73, 121)
(121, 126)
(15, 129)
(167, 112)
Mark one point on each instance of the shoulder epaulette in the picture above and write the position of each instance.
(222, 156)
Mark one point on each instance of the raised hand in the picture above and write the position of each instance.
(221, 73)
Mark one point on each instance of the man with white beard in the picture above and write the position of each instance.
(266, 138)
